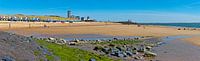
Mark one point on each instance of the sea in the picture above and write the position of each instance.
(192, 25)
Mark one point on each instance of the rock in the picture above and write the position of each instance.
(136, 38)
(120, 55)
(129, 53)
(135, 52)
(135, 48)
(139, 58)
(92, 59)
(51, 38)
(141, 49)
(96, 48)
(98, 40)
(149, 54)
(148, 47)
(60, 41)
(31, 37)
(124, 53)
(128, 49)
(72, 43)
(106, 50)
(112, 45)
(6, 58)
(77, 40)
(179, 28)
(119, 48)
(115, 38)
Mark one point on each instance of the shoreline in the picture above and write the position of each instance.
(99, 28)
(113, 29)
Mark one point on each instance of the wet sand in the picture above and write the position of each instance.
(194, 40)
(175, 49)
(70, 37)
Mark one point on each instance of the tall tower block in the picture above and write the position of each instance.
(69, 14)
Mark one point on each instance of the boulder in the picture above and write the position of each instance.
(115, 38)
(96, 48)
(92, 59)
(120, 55)
(148, 47)
(149, 54)
(129, 53)
(98, 40)
(72, 43)
(60, 41)
(6, 58)
(135, 52)
(77, 40)
(106, 50)
(51, 38)
(124, 53)
(139, 58)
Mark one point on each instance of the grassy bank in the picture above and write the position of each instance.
(70, 54)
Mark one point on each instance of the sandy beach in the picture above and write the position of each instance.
(114, 29)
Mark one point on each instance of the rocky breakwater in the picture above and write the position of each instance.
(128, 49)
(18, 48)
(125, 49)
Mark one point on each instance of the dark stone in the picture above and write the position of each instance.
(119, 48)
(92, 59)
(6, 58)
(112, 45)
(120, 55)
(106, 50)
(179, 28)
(129, 53)
(115, 38)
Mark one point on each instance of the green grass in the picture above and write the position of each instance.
(120, 42)
(36, 52)
(70, 54)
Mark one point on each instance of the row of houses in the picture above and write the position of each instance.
(33, 19)
(16, 18)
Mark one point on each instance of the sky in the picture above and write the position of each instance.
(143, 11)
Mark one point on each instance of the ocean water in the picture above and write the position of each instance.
(193, 25)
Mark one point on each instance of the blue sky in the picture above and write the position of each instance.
(113, 10)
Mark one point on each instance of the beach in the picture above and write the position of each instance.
(194, 40)
(99, 28)
(114, 29)
(173, 37)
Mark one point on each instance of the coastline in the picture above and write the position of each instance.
(98, 28)
(112, 29)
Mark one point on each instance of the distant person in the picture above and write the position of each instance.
(138, 25)
(45, 26)
(144, 27)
